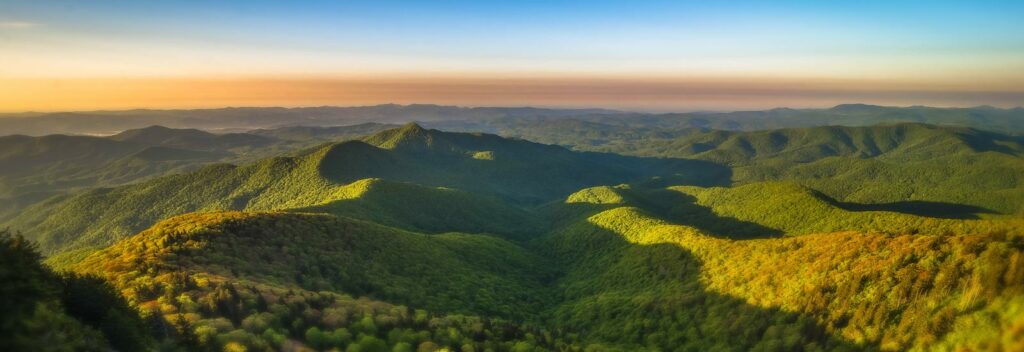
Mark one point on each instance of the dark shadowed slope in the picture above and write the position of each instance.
(324, 252)
(496, 168)
(609, 274)
(640, 280)
(869, 165)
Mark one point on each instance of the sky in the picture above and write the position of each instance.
(635, 55)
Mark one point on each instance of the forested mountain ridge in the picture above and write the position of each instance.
(532, 172)
(626, 126)
(632, 275)
(25, 154)
(892, 141)
(625, 272)
(888, 237)
(35, 168)
(875, 164)
(489, 165)
(353, 256)
(247, 279)
(70, 162)
(794, 144)
(504, 121)
(109, 122)
(774, 209)
(191, 138)
(55, 163)
(544, 172)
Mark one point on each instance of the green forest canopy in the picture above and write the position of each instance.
(420, 239)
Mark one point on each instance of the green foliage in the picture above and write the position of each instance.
(523, 172)
(796, 210)
(55, 163)
(990, 181)
(875, 164)
(622, 278)
(32, 168)
(322, 252)
(896, 237)
(255, 279)
(598, 195)
(190, 138)
(520, 170)
(622, 130)
(25, 282)
(94, 302)
(42, 310)
(639, 280)
(432, 210)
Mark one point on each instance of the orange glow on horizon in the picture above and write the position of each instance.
(664, 94)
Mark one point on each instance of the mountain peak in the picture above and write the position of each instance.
(148, 134)
(155, 128)
(412, 127)
(856, 107)
(410, 136)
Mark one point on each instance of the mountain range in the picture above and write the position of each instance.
(503, 120)
(625, 234)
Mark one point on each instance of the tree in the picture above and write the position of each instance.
(186, 333)
(427, 346)
(25, 282)
(402, 347)
(315, 337)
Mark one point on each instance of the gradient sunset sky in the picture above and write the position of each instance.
(637, 55)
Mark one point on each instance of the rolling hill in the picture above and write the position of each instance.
(357, 257)
(774, 209)
(874, 164)
(891, 141)
(35, 168)
(60, 162)
(795, 210)
(517, 171)
(628, 127)
(191, 138)
(289, 280)
(613, 270)
(508, 121)
(325, 134)
(888, 237)
(110, 122)
(639, 281)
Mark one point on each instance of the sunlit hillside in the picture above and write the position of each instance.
(510, 176)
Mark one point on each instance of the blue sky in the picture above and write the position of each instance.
(958, 45)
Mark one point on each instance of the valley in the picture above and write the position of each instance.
(893, 236)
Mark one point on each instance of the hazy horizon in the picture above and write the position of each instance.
(650, 56)
(8, 114)
(527, 176)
